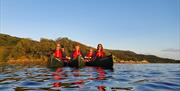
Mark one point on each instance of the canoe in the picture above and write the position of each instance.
(78, 62)
(105, 62)
(55, 62)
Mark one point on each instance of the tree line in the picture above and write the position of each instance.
(15, 48)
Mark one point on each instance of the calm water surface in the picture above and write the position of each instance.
(124, 77)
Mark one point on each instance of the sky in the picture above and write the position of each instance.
(149, 27)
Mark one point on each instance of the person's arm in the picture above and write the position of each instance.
(86, 57)
(63, 54)
(71, 55)
(94, 56)
(54, 53)
(104, 54)
(82, 54)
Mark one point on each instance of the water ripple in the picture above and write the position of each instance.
(124, 77)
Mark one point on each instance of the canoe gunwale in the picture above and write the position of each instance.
(106, 62)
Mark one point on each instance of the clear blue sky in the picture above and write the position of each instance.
(142, 26)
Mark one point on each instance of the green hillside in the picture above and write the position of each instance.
(15, 48)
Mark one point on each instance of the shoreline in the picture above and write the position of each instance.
(41, 64)
(32, 61)
(44, 61)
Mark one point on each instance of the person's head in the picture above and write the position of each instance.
(77, 47)
(58, 46)
(91, 50)
(62, 48)
(100, 47)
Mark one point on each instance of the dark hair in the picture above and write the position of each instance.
(101, 47)
(62, 46)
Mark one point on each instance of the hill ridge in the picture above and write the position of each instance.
(13, 48)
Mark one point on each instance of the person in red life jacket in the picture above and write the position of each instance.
(58, 53)
(64, 56)
(76, 52)
(100, 51)
(89, 55)
(63, 52)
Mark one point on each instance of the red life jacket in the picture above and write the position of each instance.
(58, 54)
(89, 54)
(100, 54)
(76, 53)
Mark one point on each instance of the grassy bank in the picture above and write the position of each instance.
(26, 61)
(12, 48)
(42, 62)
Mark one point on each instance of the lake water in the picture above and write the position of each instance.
(124, 77)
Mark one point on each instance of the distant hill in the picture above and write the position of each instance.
(14, 48)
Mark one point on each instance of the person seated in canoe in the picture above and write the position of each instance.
(64, 56)
(76, 53)
(99, 52)
(63, 51)
(58, 53)
(89, 55)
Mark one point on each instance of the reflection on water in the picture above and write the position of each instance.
(124, 77)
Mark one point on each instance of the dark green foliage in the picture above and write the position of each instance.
(4, 53)
(129, 55)
(69, 45)
(23, 48)
(125, 55)
(46, 46)
(6, 40)
(13, 47)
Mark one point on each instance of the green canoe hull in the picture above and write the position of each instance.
(106, 62)
(78, 62)
(55, 62)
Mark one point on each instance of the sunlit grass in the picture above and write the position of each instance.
(27, 62)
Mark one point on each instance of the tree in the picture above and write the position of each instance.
(23, 48)
(46, 46)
